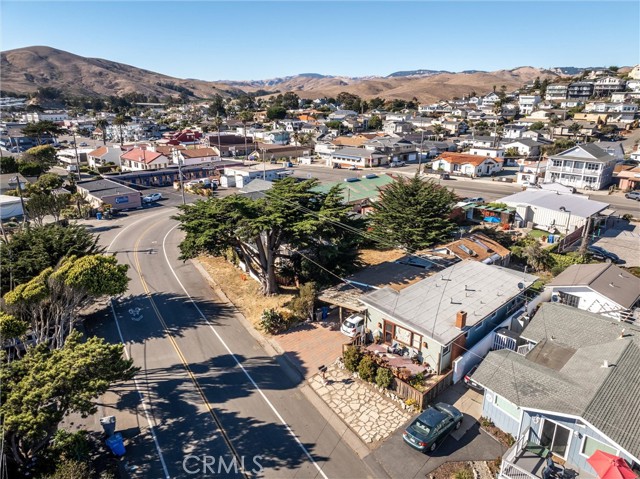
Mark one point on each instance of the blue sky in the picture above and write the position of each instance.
(243, 40)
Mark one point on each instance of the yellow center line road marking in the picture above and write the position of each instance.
(185, 363)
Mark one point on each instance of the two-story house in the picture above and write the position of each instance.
(556, 91)
(572, 390)
(396, 149)
(583, 166)
(601, 288)
(527, 103)
(104, 155)
(608, 85)
(580, 90)
(444, 314)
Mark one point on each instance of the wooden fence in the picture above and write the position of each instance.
(421, 398)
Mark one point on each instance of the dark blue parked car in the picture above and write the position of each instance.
(431, 427)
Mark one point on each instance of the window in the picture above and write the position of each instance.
(416, 342)
(507, 406)
(593, 166)
(402, 335)
(446, 350)
(569, 299)
(591, 445)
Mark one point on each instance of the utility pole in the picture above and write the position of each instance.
(174, 152)
(25, 215)
(75, 147)
(585, 237)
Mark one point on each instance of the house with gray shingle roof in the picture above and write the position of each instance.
(601, 288)
(574, 388)
(583, 166)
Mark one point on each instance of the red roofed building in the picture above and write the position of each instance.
(465, 164)
(139, 158)
(185, 137)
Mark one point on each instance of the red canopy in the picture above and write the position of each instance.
(608, 466)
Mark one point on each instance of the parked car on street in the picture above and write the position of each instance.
(84, 143)
(430, 428)
(468, 380)
(152, 198)
(633, 195)
(396, 163)
(353, 326)
(602, 254)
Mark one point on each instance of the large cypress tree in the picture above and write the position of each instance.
(413, 213)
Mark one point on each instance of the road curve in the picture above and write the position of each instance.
(210, 388)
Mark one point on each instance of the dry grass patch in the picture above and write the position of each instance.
(372, 257)
(244, 292)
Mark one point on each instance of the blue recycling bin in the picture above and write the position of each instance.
(116, 444)
(99, 215)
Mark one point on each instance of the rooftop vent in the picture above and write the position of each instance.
(605, 364)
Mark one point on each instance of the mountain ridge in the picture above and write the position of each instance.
(24, 70)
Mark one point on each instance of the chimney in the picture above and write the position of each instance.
(461, 319)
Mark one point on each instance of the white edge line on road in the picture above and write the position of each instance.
(126, 353)
(275, 411)
(142, 400)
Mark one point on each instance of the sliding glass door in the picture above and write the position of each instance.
(555, 438)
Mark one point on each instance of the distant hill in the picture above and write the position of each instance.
(25, 70)
(412, 73)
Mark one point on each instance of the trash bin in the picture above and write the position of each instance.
(108, 424)
(116, 444)
(99, 215)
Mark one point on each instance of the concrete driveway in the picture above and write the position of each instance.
(403, 462)
(469, 443)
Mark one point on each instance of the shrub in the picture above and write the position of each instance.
(627, 217)
(384, 378)
(302, 305)
(71, 445)
(411, 402)
(273, 322)
(417, 380)
(463, 474)
(352, 357)
(367, 369)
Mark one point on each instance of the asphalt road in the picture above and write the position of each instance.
(209, 388)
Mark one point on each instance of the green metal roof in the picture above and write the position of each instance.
(364, 188)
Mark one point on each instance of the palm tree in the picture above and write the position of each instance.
(120, 121)
(245, 117)
(217, 123)
(103, 124)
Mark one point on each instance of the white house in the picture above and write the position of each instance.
(525, 146)
(601, 288)
(527, 103)
(104, 155)
(489, 101)
(138, 159)
(556, 92)
(241, 176)
(195, 156)
(583, 166)
(551, 211)
(488, 151)
(469, 165)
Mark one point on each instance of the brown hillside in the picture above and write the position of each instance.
(26, 69)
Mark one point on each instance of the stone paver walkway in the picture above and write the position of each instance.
(311, 345)
(368, 413)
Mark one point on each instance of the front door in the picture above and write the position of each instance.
(555, 438)
(388, 332)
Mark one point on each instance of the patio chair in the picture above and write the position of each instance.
(553, 470)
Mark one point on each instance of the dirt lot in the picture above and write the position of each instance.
(241, 290)
(371, 257)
